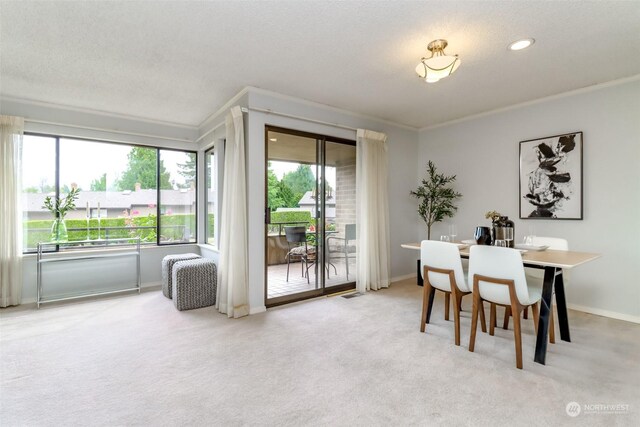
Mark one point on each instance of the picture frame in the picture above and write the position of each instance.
(551, 181)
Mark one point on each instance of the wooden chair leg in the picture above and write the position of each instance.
(474, 320)
(552, 328)
(483, 320)
(526, 312)
(492, 319)
(425, 306)
(447, 300)
(456, 316)
(507, 313)
(536, 317)
(517, 336)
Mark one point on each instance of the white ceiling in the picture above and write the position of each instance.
(180, 61)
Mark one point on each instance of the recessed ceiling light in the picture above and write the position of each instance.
(521, 44)
(273, 139)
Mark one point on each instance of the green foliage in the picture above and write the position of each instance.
(291, 216)
(99, 184)
(142, 169)
(172, 230)
(279, 193)
(300, 181)
(188, 168)
(436, 197)
(61, 205)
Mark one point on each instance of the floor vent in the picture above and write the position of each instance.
(353, 295)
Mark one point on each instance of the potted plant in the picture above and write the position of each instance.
(59, 207)
(436, 197)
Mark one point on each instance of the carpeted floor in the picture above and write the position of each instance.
(135, 360)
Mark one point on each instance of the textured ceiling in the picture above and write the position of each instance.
(180, 61)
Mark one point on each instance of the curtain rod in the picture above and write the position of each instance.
(306, 119)
(291, 116)
(145, 135)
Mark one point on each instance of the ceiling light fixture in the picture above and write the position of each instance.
(439, 65)
(521, 44)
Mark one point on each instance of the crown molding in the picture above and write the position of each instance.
(581, 90)
(51, 105)
(225, 107)
(327, 107)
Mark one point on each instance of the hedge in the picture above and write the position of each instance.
(147, 235)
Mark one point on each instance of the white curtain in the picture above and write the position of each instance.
(11, 129)
(372, 211)
(233, 266)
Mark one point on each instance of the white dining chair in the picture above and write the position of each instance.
(498, 277)
(535, 276)
(442, 270)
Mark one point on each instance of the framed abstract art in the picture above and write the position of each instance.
(551, 177)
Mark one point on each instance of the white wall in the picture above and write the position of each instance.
(402, 155)
(483, 153)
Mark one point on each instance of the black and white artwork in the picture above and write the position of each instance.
(551, 177)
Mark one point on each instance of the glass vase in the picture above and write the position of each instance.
(59, 231)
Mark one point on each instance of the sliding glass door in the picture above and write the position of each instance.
(310, 215)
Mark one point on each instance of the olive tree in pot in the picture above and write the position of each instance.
(436, 197)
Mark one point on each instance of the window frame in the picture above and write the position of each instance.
(158, 216)
(214, 169)
(57, 139)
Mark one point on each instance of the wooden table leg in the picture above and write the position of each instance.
(561, 305)
(419, 276)
(545, 310)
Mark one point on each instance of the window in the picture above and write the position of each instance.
(211, 195)
(38, 182)
(177, 196)
(118, 190)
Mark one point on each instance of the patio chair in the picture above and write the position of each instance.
(342, 248)
(298, 249)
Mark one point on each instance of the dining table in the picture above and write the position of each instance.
(553, 262)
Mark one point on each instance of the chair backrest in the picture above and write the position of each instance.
(555, 243)
(498, 263)
(349, 232)
(296, 234)
(445, 256)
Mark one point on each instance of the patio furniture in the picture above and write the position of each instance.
(194, 283)
(342, 248)
(167, 270)
(298, 249)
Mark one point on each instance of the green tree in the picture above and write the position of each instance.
(99, 184)
(142, 169)
(437, 199)
(300, 181)
(188, 168)
(273, 191)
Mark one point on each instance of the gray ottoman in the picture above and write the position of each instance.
(194, 283)
(167, 270)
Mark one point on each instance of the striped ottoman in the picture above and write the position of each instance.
(167, 269)
(194, 284)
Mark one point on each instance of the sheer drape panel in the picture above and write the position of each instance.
(372, 211)
(11, 130)
(233, 280)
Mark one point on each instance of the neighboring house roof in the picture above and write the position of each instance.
(308, 200)
(118, 199)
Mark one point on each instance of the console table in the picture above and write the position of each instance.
(91, 249)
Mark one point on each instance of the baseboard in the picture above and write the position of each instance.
(256, 310)
(403, 277)
(605, 313)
